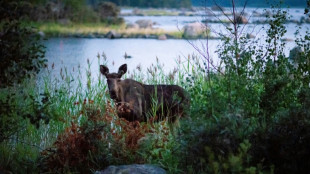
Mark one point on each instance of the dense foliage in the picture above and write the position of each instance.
(21, 53)
(63, 12)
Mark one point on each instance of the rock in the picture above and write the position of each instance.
(267, 13)
(169, 36)
(90, 36)
(132, 26)
(133, 169)
(41, 34)
(112, 35)
(293, 21)
(250, 36)
(156, 23)
(137, 12)
(304, 19)
(151, 36)
(162, 37)
(144, 23)
(241, 19)
(255, 13)
(287, 40)
(217, 8)
(193, 30)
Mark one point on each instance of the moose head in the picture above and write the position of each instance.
(114, 80)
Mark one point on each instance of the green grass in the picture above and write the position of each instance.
(52, 29)
(68, 103)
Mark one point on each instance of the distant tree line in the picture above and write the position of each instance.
(149, 3)
(65, 10)
(251, 3)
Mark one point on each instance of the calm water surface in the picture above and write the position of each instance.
(74, 52)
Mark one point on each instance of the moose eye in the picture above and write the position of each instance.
(118, 80)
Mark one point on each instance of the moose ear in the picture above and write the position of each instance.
(122, 69)
(104, 70)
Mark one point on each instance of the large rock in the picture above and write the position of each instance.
(132, 26)
(144, 23)
(287, 40)
(112, 35)
(133, 169)
(255, 13)
(193, 30)
(304, 19)
(250, 36)
(241, 19)
(41, 34)
(217, 8)
(162, 37)
(267, 13)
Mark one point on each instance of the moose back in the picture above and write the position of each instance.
(138, 102)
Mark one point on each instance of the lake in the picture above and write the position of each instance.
(74, 52)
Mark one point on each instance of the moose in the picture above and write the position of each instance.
(136, 101)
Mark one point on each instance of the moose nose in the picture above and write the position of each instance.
(113, 94)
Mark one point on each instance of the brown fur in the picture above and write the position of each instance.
(136, 101)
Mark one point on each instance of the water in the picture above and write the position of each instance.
(74, 52)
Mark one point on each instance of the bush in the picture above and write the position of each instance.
(22, 54)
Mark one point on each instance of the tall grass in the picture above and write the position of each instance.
(67, 102)
(52, 29)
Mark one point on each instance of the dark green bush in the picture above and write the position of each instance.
(258, 104)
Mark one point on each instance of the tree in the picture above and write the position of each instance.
(21, 53)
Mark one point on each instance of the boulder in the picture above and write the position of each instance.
(113, 35)
(241, 19)
(287, 40)
(144, 23)
(267, 13)
(304, 19)
(250, 36)
(41, 34)
(255, 13)
(137, 12)
(193, 30)
(162, 37)
(133, 169)
(132, 26)
(217, 8)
